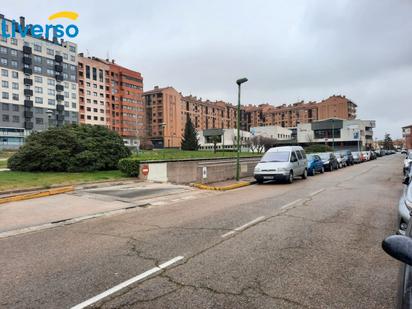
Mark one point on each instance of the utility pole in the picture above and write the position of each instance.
(239, 82)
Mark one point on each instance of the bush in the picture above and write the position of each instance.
(129, 167)
(318, 148)
(70, 149)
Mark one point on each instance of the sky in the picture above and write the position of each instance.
(289, 50)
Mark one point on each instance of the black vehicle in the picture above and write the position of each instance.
(400, 247)
(329, 160)
(348, 156)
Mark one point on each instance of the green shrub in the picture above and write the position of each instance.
(318, 148)
(70, 149)
(129, 167)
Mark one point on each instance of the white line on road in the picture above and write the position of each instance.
(127, 283)
(317, 192)
(240, 228)
(290, 204)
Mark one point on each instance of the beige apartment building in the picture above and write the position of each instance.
(92, 91)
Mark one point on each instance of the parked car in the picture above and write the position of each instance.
(282, 163)
(357, 157)
(315, 164)
(407, 163)
(404, 151)
(373, 155)
(341, 160)
(366, 155)
(348, 156)
(400, 246)
(329, 160)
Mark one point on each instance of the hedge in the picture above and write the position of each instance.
(129, 166)
(318, 148)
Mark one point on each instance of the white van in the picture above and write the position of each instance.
(282, 163)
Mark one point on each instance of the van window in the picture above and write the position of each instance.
(293, 157)
(300, 157)
(303, 154)
(279, 156)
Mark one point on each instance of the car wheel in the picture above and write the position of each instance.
(305, 174)
(331, 167)
(311, 172)
(259, 181)
(290, 178)
(322, 170)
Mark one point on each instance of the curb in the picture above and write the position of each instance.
(224, 188)
(28, 196)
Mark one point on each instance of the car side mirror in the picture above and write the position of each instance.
(399, 247)
(406, 180)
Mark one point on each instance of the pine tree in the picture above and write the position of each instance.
(387, 142)
(189, 141)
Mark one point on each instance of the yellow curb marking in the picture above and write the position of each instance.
(225, 188)
(28, 196)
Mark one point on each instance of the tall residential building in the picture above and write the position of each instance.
(92, 91)
(111, 95)
(164, 117)
(38, 85)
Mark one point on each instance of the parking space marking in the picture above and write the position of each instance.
(317, 192)
(241, 228)
(127, 283)
(291, 204)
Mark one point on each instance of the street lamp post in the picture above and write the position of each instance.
(239, 82)
(333, 134)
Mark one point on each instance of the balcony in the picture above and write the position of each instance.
(60, 107)
(27, 50)
(58, 68)
(27, 71)
(28, 103)
(59, 88)
(28, 92)
(59, 97)
(59, 77)
(60, 118)
(58, 58)
(28, 82)
(28, 114)
(27, 60)
(28, 125)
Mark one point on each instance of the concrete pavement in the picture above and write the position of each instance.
(314, 244)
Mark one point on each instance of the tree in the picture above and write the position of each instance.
(70, 149)
(190, 141)
(387, 142)
(215, 139)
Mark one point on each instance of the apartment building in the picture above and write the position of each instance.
(164, 117)
(407, 135)
(92, 91)
(111, 95)
(38, 85)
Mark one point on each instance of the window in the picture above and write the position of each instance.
(38, 90)
(5, 84)
(72, 49)
(50, 62)
(74, 96)
(15, 96)
(51, 102)
(300, 157)
(3, 39)
(14, 63)
(39, 121)
(13, 41)
(4, 73)
(37, 69)
(65, 56)
(38, 79)
(6, 118)
(50, 72)
(37, 48)
(38, 100)
(72, 58)
(73, 78)
(293, 157)
(16, 119)
(37, 59)
(74, 87)
(5, 106)
(13, 52)
(5, 95)
(50, 52)
(73, 68)
(3, 50)
(73, 105)
(88, 72)
(51, 82)
(15, 74)
(38, 110)
(3, 61)
(15, 108)
(51, 92)
(66, 94)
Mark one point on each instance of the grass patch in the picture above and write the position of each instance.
(26, 180)
(3, 163)
(167, 154)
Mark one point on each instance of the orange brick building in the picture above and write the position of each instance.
(111, 95)
(407, 135)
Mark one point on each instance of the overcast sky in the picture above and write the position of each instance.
(289, 50)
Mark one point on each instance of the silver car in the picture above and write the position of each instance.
(282, 163)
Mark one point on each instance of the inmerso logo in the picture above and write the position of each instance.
(42, 31)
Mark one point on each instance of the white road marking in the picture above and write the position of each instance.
(240, 228)
(317, 192)
(290, 204)
(127, 283)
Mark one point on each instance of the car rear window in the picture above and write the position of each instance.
(278, 156)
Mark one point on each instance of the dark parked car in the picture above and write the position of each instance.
(315, 164)
(348, 156)
(330, 162)
(400, 247)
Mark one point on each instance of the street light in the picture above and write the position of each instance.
(239, 82)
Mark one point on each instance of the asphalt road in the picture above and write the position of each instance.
(313, 244)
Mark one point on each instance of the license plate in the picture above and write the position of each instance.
(268, 177)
